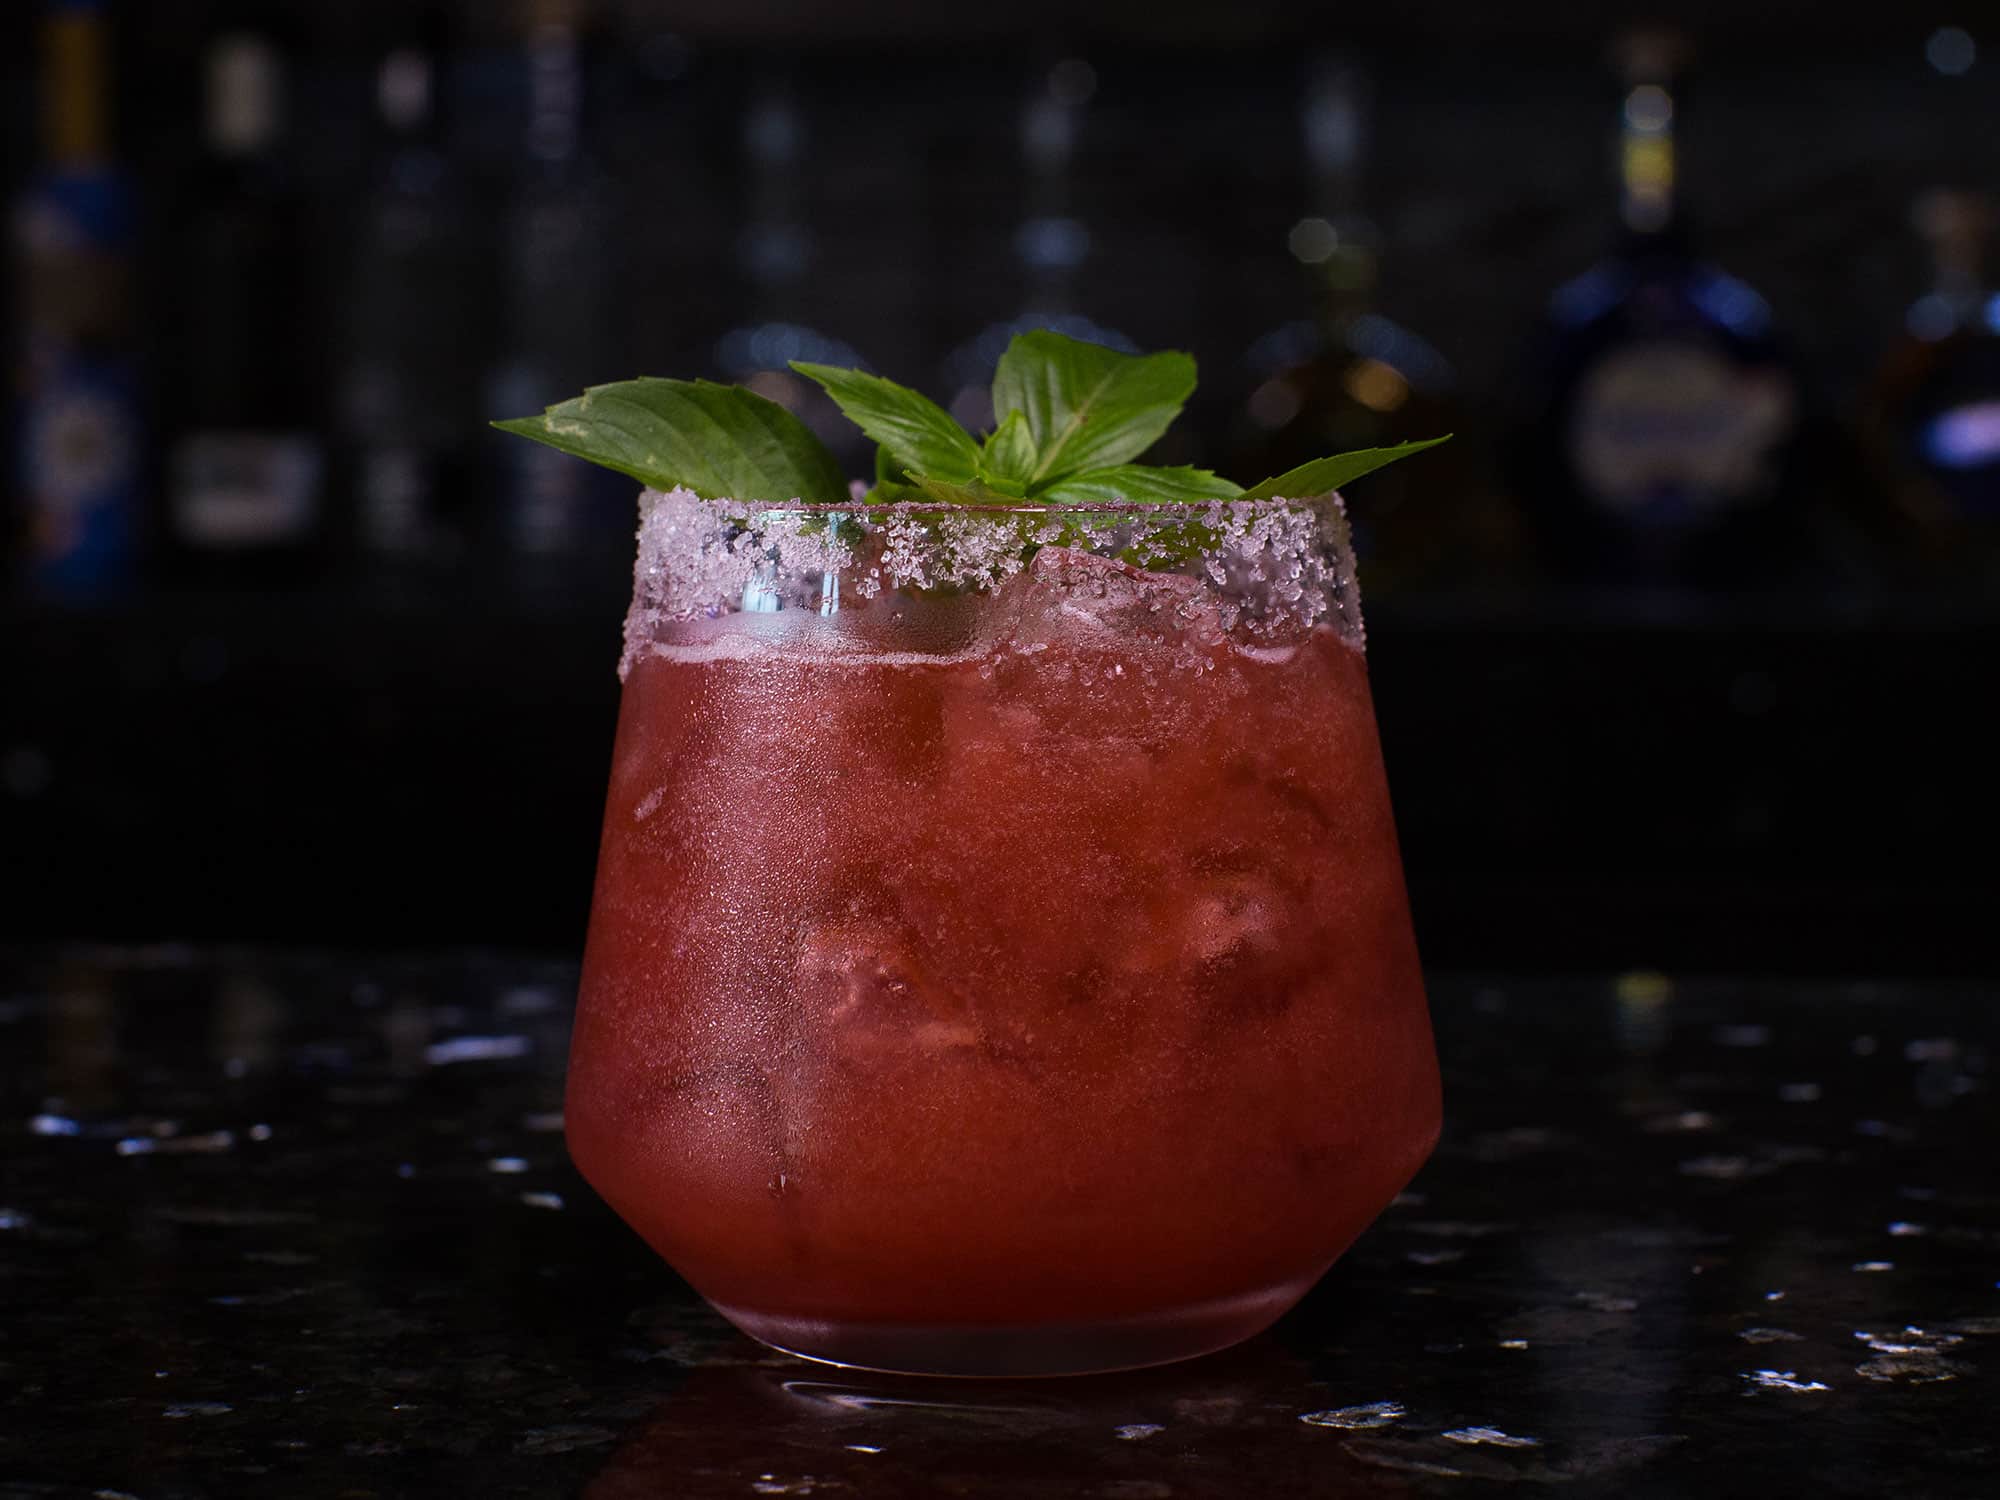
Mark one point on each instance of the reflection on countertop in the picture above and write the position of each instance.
(303, 1224)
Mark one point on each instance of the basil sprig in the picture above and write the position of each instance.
(1071, 419)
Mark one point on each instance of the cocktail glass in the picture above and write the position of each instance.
(999, 960)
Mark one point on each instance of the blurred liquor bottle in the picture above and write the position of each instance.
(1933, 424)
(77, 424)
(1051, 242)
(1349, 377)
(245, 465)
(409, 314)
(555, 304)
(1664, 448)
(777, 253)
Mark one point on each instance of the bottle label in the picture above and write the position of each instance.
(237, 490)
(79, 414)
(1674, 433)
(1964, 437)
(79, 460)
(1959, 447)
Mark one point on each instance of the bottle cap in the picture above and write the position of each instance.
(1650, 54)
(245, 94)
(403, 88)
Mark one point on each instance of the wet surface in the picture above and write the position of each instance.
(294, 1226)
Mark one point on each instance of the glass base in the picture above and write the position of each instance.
(1023, 1349)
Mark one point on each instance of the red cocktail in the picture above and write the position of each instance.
(999, 960)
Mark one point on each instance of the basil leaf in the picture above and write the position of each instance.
(1173, 546)
(1139, 484)
(1324, 475)
(972, 492)
(720, 441)
(891, 483)
(1010, 451)
(1087, 406)
(919, 434)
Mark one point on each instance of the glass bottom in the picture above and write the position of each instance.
(1023, 1349)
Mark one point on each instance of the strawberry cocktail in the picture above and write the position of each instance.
(999, 960)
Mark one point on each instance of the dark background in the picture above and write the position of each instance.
(1792, 775)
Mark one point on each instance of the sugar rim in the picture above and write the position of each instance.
(1021, 508)
(1275, 567)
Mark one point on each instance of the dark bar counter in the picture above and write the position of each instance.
(286, 1225)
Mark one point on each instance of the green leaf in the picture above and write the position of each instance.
(1087, 406)
(971, 492)
(720, 441)
(891, 482)
(1138, 483)
(1010, 451)
(1323, 475)
(919, 434)
(1173, 546)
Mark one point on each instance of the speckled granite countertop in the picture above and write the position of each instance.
(303, 1226)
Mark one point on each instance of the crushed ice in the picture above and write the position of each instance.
(1912, 1340)
(1489, 1437)
(1357, 1418)
(475, 1049)
(1782, 1380)
(1915, 1355)
(210, 1144)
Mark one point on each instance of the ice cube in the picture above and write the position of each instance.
(1067, 596)
(1238, 942)
(870, 998)
(1221, 930)
(877, 1048)
(1232, 910)
(721, 1120)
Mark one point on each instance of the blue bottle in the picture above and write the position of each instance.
(1666, 447)
(77, 431)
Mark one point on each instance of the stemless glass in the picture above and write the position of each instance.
(999, 961)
